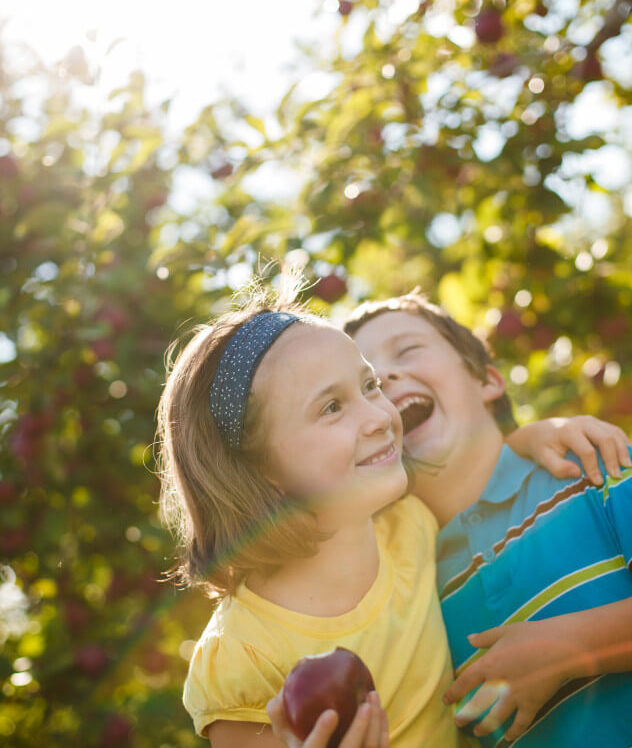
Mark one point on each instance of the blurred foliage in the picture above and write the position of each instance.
(450, 149)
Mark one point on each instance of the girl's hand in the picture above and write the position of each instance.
(369, 728)
(526, 663)
(547, 442)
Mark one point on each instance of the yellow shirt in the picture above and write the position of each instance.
(250, 644)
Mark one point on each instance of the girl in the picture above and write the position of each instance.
(281, 466)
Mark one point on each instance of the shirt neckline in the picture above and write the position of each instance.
(325, 626)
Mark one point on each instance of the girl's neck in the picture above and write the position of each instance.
(330, 583)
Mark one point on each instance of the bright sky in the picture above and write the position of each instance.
(191, 48)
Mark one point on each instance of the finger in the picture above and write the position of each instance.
(607, 446)
(622, 449)
(355, 734)
(522, 720)
(558, 466)
(482, 700)
(497, 715)
(322, 730)
(372, 737)
(583, 448)
(384, 738)
(470, 678)
(276, 712)
(485, 639)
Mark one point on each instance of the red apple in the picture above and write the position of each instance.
(222, 171)
(8, 493)
(13, 541)
(330, 288)
(612, 329)
(77, 615)
(345, 7)
(91, 659)
(9, 168)
(103, 349)
(117, 732)
(336, 680)
(154, 661)
(503, 65)
(510, 325)
(588, 69)
(83, 375)
(117, 318)
(489, 26)
(542, 336)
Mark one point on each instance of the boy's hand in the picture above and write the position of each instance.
(526, 663)
(547, 442)
(369, 728)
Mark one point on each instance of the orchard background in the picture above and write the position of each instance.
(483, 153)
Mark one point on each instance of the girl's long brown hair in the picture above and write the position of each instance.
(229, 520)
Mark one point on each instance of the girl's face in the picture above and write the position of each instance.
(331, 436)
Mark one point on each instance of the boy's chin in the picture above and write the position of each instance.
(431, 451)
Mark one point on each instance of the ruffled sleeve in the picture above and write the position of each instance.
(229, 679)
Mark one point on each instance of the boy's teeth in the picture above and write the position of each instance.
(408, 401)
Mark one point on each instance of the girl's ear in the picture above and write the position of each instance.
(494, 387)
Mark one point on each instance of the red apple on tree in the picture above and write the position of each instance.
(9, 168)
(8, 493)
(117, 318)
(345, 7)
(330, 288)
(336, 680)
(117, 732)
(588, 69)
(510, 325)
(222, 171)
(91, 659)
(489, 26)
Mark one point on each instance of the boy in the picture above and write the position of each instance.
(551, 556)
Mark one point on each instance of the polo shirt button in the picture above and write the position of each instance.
(488, 554)
(475, 519)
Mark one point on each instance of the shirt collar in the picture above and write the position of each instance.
(509, 474)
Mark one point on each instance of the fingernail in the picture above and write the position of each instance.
(617, 473)
(597, 479)
(626, 462)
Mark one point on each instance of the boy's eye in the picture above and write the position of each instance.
(409, 348)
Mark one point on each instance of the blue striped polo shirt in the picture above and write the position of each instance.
(532, 547)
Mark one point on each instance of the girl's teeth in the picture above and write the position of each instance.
(382, 456)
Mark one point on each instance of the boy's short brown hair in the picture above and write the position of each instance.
(471, 349)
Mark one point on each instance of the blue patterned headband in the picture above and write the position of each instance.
(236, 368)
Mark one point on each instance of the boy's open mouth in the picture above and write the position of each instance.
(415, 410)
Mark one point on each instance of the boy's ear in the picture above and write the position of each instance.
(494, 387)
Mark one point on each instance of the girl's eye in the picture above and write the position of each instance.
(331, 407)
(374, 384)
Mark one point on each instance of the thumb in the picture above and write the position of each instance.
(487, 638)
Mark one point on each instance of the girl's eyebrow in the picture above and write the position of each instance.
(331, 388)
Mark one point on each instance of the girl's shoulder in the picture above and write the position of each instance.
(407, 529)
(407, 516)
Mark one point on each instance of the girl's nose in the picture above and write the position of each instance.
(376, 418)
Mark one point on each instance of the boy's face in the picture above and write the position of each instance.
(443, 407)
